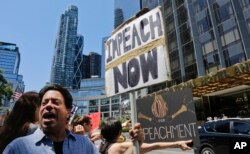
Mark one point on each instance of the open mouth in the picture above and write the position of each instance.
(49, 115)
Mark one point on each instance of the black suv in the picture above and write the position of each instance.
(220, 136)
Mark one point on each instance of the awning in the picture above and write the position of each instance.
(235, 75)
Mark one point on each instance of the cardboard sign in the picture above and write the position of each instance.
(73, 112)
(135, 55)
(95, 117)
(168, 116)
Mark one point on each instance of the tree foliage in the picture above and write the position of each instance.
(5, 88)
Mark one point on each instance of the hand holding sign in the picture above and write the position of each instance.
(168, 115)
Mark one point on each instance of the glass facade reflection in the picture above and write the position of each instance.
(204, 36)
(62, 70)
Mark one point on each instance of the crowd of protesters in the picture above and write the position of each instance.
(38, 123)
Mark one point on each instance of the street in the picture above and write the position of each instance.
(171, 151)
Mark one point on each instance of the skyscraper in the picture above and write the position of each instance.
(119, 17)
(62, 70)
(85, 67)
(91, 65)
(205, 36)
(77, 62)
(124, 10)
(95, 64)
(9, 63)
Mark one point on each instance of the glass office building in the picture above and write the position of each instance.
(204, 36)
(91, 98)
(91, 65)
(150, 3)
(9, 64)
(77, 62)
(125, 9)
(62, 70)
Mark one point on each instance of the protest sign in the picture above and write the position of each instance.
(168, 116)
(136, 54)
(95, 117)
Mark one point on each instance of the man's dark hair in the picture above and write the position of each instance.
(65, 93)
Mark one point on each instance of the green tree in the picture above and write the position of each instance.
(5, 88)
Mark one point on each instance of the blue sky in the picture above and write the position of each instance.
(33, 26)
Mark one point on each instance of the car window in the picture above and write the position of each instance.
(209, 127)
(241, 128)
(222, 127)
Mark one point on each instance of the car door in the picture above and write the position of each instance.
(240, 132)
(222, 137)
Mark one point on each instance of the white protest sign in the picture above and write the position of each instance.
(136, 55)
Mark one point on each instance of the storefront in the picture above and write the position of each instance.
(226, 91)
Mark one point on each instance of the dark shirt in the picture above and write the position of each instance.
(58, 147)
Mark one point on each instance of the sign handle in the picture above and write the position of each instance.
(134, 118)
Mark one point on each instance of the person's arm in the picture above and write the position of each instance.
(95, 136)
(136, 133)
(147, 147)
(130, 150)
(118, 148)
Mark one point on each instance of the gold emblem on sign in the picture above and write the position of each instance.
(159, 107)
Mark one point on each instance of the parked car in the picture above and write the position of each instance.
(217, 137)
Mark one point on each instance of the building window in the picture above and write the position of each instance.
(175, 64)
(172, 42)
(200, 5)
(211, 62)
(170, 23)
(93, 102)
(208, 47)
(234, 54)
(179, 2)
(168, 7)
(93, 109)
(230, 37)
(245, 3)
(176, 76)
(182, 15)
(104, 101)
(222, 12)
(185, 34)
(189, 59)
(105, 108)
(115, 107)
